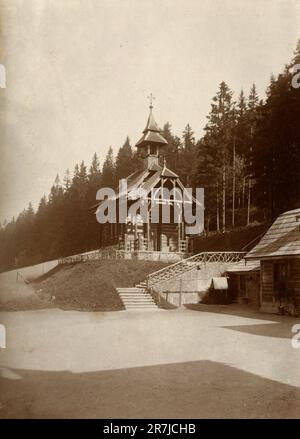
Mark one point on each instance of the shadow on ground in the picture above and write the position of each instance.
(249, 311)
(280, 327)
(200, 389)
(283, 330)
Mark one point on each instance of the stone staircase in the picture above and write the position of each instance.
(137, 297)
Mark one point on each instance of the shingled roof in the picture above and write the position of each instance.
(152, 133)
(152, 137)
(243, 267)
(151, 123)
(281, 240)
(148, 179)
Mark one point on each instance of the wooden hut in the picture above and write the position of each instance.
(279, 255)
(244, 282)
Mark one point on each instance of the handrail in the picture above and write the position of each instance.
(24, 279)
(119, 254)
(254, 240)
(188, 264)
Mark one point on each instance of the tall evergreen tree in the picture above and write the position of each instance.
(172, 150)
(188, 156)
(124, 162)
(109, 170)
(277, 147)
(67, 180)
(216, 149)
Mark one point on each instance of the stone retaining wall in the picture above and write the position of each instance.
(191, 286)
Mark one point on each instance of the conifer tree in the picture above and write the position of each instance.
(109, 170)
(124, 161)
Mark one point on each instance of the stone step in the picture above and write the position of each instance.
(141, 306)
(127, 304)
(137, 290)
(137, 300)
(133, 292)
(136, 297)
(133, 296)
(139, 293)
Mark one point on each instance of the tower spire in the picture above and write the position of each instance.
(152, 142)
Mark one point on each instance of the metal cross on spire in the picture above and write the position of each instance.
(151, 99)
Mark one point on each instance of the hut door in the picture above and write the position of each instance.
(280, 278)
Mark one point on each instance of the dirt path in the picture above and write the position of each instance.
(16, 294)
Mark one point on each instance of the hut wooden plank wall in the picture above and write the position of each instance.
(279, 256)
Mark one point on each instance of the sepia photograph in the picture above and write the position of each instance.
(149, 213)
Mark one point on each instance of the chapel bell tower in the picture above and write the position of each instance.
(152, 142)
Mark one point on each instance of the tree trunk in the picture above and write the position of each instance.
(224, 198)
(233, 185)
(249, 201)
(207, 225)
(218, 210)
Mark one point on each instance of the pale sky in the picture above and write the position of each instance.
(79, 71)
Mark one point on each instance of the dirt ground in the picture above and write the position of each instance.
(208, 362)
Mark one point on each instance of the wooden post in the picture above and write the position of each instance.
(135, 228)
(261, 284)
(250, 178)
(224, 197)
(148, 230)
(179, 226)
(180, 295)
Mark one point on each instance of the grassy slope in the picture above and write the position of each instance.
(90, 286)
